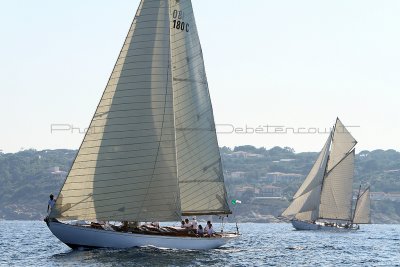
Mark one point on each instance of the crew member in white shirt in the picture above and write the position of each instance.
(50, 204)
(194, 225)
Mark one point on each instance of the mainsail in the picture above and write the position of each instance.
(336, 196)
(362, 210)
(151, 151)
(326, 192)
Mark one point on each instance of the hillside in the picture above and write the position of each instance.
(263, 179)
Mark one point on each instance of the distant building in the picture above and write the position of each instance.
(271, 191)
(395, 196)
(242, 154)
(274, 177)
(240, 191)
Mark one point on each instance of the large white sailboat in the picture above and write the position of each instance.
(325, 199)
(150, 153)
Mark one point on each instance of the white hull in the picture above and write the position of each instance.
(78, 236)
(302, 225)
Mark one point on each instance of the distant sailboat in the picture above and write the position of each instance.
(362, 211)
(151, 152)
(324, 200)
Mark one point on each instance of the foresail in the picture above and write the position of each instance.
(200, 173)
(307, 216)
(307, 198)
(126, 167)
(343, 142)
(316, 175)
(362, 212)
(336, 196)
(306, 205)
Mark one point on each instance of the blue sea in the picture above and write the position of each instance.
(30, 243)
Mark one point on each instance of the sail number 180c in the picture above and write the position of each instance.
(179, 24)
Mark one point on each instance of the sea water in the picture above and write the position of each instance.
(30, 243)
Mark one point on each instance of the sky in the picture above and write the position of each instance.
(287, 68)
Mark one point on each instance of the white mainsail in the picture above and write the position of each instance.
(336, 196)
(150, 153)
(362, 211)
(201, 180)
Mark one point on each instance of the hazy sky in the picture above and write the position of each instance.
(289, 63)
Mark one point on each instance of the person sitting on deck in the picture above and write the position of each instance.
(155, 224)
(194, 225)
(188, 225)
(182, 224)
(51, 203)
(207, 226)
(200, 231)
(210, 231)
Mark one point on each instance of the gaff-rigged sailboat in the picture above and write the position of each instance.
(324, 200)
(151, 152)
